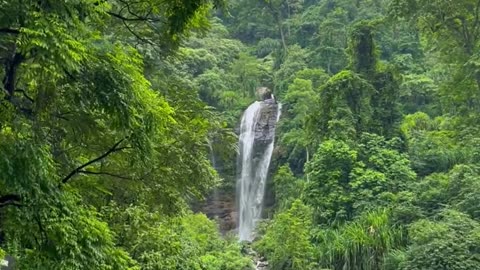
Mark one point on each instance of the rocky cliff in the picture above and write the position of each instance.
(265, 128)
(221, 206)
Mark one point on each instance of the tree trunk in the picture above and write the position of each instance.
(308, 159)
(282, 35)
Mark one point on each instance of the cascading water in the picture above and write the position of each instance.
(256, 146)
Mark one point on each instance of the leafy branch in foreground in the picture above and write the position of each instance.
(79, 169)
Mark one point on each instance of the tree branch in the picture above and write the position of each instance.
(105, 173)
(25, 95)
(118, 16)
(476, 21)
(10, 199)
(9, 81)
(79, 169)
(135, 19)
(9, 31)
(11, 74)
(60, 116)
(136, 35)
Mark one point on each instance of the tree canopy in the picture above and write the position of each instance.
(119, 120)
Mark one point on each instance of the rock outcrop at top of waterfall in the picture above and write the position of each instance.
(265, 128)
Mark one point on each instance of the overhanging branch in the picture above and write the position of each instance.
(105, 173)
(9, 31)
(136, 35)
(11, 74)
(10, 199)
(113, 149)
(134, 19)
(25, 95)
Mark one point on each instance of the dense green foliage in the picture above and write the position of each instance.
(114, 113)
(100, 156)
(190, 241)
(376, 165)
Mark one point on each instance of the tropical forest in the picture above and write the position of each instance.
(240, 134)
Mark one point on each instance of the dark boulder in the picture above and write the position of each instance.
(265, 128)
(263, 93)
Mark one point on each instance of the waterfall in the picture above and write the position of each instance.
(257, 131)
(212, 154)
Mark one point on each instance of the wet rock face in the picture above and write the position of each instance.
(221, 208)
(265, 128)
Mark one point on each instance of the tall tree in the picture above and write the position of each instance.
(81, 125)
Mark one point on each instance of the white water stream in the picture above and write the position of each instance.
(254, 170)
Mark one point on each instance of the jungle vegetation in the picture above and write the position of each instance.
(110, 111)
